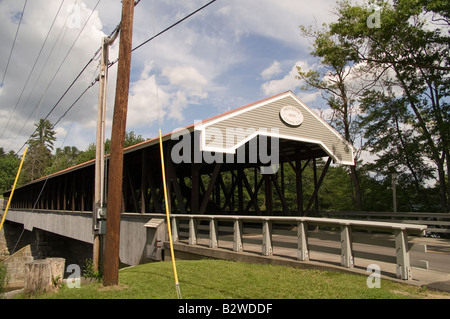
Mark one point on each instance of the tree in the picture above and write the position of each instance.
(9, 164)
(63, 158)
(388, 128)
(89, 154)
(39, 156)
(416, 55)
(339, 81)
(43, 136)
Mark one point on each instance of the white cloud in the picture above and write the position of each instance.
(27, 96)
(187, 77)
(203, 61)
(271, 71)
(288, 82)
(147, 102)
(278, 19)
(306, 97)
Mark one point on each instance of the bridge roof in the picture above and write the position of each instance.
(226, 132)
(298, 128)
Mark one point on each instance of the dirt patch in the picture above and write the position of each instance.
(113, 288)
(424, 295)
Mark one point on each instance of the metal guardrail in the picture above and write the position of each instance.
(295, 232)
(437, 223)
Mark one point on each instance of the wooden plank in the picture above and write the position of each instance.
(402, 254)
(346, 247)
(302, 241)
(267, 238)
(237, 237)
(213, 233)
(192, 231)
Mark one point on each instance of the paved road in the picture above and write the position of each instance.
(438, 253)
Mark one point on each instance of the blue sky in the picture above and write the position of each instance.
(232, 53)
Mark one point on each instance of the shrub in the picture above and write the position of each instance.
(4, 278)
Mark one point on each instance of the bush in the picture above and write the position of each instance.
(4, 278)
(89, 272)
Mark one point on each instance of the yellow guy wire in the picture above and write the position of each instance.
(177, 285)
(14, 187)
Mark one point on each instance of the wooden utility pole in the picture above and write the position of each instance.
(115, 171)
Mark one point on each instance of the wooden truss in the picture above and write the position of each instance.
(200, 188)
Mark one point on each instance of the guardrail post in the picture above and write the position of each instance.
(267, 238)
(175, 236)
(402, 253)
(213, 233)
(192, 231)
(346, 247)
(303, 253)
(237, 242)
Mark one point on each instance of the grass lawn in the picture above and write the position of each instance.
(218, 279)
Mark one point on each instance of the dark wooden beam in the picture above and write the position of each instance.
(253, 195)
(280, 193)
(268, 193)
(210, 188)
(318, 184)
(195, 193)
(144, 183)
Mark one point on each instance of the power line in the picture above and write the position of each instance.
(167, 29)
(39, 77)
(73, 104)
(70, 49)
(65, 113)
(175, 24)
(14, 43)
(32, 69)
(59, 68)
(110, 64)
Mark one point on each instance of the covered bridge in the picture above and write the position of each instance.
(218, 165)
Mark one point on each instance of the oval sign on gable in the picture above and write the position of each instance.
(291, 115)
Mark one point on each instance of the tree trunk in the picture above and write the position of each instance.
(43, 275)
(357, 186)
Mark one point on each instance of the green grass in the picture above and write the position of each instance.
(216, 279)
